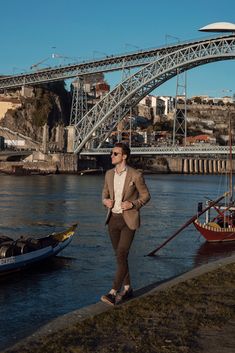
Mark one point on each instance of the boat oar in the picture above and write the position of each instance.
(190, 221)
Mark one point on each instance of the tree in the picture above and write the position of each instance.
(198, 100)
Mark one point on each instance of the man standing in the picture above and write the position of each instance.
(124, 193)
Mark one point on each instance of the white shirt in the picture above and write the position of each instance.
(119, 180)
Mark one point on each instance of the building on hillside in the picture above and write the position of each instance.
(204, 99)
(225, 100)
(169, 103)
(163, 138)
(200, 139)
(101, 89)
(161, 105)
(132, 138)
(94, 85)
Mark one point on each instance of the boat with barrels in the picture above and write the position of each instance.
(219, 224)
(18, 254)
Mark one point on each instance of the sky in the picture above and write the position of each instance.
(58, 32)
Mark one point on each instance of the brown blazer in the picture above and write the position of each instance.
(134, 190)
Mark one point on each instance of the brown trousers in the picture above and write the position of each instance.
(121, 237)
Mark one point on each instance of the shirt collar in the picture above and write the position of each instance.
(121, 172)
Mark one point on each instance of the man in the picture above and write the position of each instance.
(124, 193)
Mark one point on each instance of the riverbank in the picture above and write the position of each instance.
(64, 163)
(191, 313)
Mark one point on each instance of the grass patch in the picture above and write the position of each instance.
(165, 322)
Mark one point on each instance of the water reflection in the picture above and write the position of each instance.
(213, 251)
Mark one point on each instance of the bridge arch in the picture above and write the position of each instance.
(100, 121)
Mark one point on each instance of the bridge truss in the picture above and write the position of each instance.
(106, 64)
(157, 66)
(96, 126)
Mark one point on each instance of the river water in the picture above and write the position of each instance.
(38, 205)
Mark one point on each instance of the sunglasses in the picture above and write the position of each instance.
(115, 153)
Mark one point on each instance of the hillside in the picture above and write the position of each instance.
(45, 104)
(212, 120)
(51, 104)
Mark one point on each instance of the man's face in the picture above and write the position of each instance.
(117, 155)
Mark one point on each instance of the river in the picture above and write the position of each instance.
(38, 205)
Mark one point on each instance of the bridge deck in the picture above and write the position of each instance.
(175, 151)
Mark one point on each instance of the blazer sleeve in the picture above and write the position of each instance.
(144, 195)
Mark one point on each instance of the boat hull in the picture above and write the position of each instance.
(15, 263)
(215, 235)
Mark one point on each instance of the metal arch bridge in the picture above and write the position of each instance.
(95, 127)
(158, 66)
(107, 64)
(193, 151)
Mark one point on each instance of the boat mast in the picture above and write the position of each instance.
(230, 161)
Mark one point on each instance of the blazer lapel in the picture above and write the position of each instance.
(126, 184)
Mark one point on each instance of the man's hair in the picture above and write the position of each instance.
(125, 148)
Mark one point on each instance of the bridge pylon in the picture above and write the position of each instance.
(79, 101)
(180, 116)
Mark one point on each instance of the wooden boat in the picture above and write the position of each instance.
(17, 254)
(216, 232)
(219, 223)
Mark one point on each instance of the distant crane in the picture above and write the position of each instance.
(53, 56)
(38, 63)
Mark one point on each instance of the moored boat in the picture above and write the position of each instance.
(17, 254)
(219, 223)
(214, 232)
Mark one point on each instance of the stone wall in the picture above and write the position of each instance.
(186, 165)
(39, 163)
(199, 165)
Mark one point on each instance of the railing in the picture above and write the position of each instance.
(173, 150)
